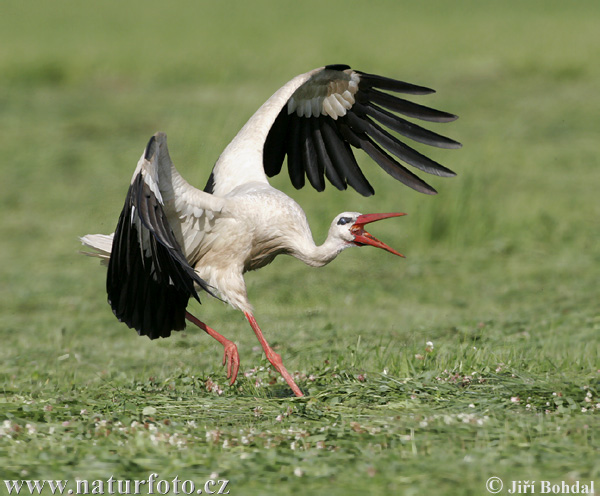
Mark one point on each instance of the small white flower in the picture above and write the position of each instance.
(298, 472)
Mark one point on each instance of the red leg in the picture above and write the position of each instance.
(273, 357)
(231, 356)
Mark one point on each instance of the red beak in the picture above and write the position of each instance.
(362, 237)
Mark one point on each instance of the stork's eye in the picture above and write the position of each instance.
(344, 220)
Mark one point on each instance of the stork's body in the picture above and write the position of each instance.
(173, 240)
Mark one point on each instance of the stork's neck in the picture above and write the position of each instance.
(319, 255)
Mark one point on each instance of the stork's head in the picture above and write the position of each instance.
(350, 227)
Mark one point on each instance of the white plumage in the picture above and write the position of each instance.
(173, 239)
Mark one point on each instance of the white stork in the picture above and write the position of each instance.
(173, 240)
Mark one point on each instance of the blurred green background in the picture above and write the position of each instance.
(502, 269)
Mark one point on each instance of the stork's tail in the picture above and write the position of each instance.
(102, 243)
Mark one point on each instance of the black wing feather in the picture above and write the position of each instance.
(385, 83)
(294, 152)
(405, 107)
(323, 156)
(314, 169)
(275, 145)
(210, 183)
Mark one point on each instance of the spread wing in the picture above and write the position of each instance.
(150, 279)
(318, 117)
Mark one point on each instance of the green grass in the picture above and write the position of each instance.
(502, 270)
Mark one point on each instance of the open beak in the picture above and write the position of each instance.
(362, 237)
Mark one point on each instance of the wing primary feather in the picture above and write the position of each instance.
(324, 160)
(395, 146)
(210, 183)
(128, 292)
(405, 107)
(343, 159)
(337, 67)
(314, 171)
(385, 83)
(274, 149)
(386, 162)
(294, 152)
(404, 127)
(148, 152)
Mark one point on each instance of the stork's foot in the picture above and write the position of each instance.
(276, 361)
(273, 357)
(231, 357)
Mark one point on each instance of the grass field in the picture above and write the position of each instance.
(502, 271)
